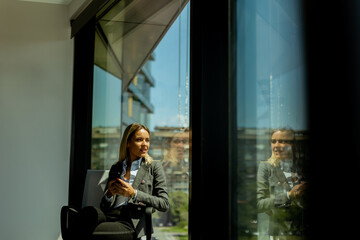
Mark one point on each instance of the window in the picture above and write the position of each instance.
(141, 74)
(271, 94)
(106, 119)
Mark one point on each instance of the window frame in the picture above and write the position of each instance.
(80, 154)
(212, 65)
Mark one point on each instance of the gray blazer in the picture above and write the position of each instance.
(150, 184)
(271, 187)
(285, 216)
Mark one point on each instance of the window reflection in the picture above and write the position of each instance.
(105, 140)
(281, 188)
(171, 146)
(271, 95)
(175, 160)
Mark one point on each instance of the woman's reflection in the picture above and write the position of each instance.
(176, 166)
(281, 188)
(175, 158)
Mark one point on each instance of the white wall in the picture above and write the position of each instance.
(36, 61)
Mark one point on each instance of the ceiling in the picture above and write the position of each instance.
(128, 33)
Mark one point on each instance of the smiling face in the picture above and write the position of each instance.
(139, 144)
(281, 144)
(178, 145)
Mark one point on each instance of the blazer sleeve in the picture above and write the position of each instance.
(157, 197)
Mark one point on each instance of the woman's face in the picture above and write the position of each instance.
(139, 144)
(281, 145)
(178, 145)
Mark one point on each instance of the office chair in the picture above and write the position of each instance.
(93, 191)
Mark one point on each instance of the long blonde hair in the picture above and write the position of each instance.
(127, 135)
(276, 161)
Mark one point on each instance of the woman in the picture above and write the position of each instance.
(280, 188)
(134, 183)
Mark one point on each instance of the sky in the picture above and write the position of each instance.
(167, 73)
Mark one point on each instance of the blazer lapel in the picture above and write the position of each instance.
(143, 170)
(281, 177)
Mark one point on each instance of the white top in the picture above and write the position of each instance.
(122, 200)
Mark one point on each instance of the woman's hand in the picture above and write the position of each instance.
(297, 191)
(119, 186)
(113, 188)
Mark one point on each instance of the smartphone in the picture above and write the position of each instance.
(114, 175)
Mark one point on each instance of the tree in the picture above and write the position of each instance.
(179, 208)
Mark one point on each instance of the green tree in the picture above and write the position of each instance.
(179, 208)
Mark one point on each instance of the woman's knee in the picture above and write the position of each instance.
(92, 214)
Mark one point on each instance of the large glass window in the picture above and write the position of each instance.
(141, 74)
(271, 120)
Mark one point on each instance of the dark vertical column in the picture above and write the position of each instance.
(80, 158)
(332, 44)
(211, 120)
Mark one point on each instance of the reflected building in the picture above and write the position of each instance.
(105, 144)
(136, 107)
(170, 145)
(136, 100)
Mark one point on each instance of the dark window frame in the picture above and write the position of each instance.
(212, 123)
(80, 154)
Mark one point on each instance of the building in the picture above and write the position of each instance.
(136, 100)
(136, 107)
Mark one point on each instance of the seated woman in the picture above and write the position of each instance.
(134, 183)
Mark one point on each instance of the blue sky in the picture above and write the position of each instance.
(166, 71)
